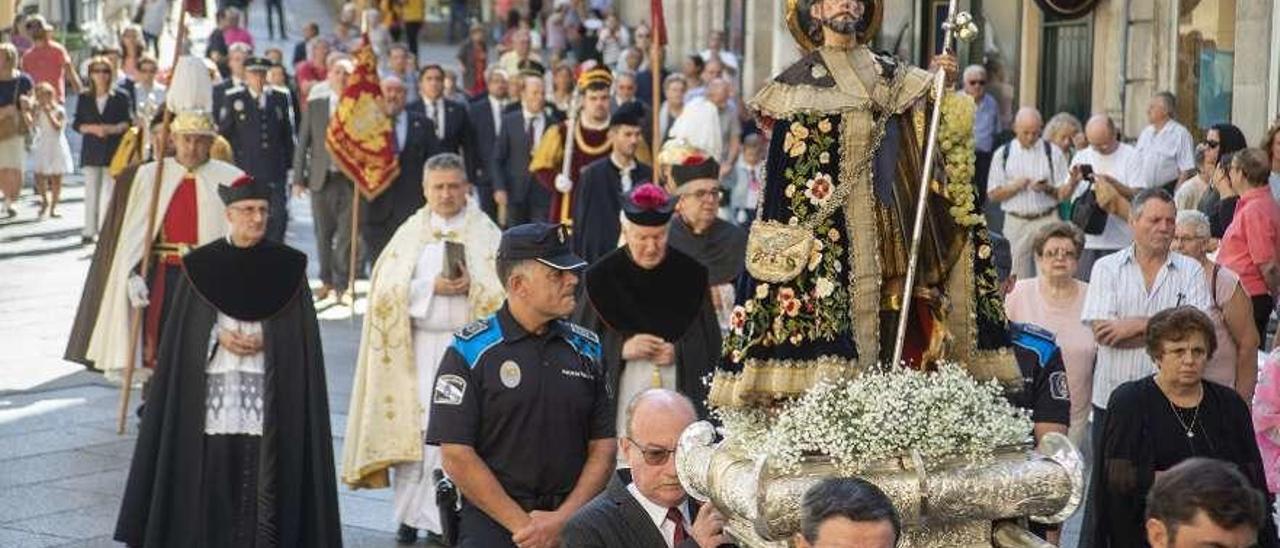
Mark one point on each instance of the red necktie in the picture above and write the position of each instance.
(674, 516)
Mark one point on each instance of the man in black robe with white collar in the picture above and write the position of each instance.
(235, 448)
(649, 304)
(698, 231)
(604, 184)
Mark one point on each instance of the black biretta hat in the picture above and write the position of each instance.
(244, 188)
(648, 205)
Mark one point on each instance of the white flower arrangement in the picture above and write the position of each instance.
(882, 415)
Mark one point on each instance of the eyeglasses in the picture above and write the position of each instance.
(704, 194)
(100, 71)
(1187, 239)
(977, 82)
(1211, 144)
(1058, 254)
(653, 455)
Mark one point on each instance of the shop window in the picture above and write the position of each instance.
(1206, 56)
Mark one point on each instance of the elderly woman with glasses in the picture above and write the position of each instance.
(1053, 300)
(1235, 364)
(1156, 422)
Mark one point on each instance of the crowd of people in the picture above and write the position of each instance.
(1149, 271)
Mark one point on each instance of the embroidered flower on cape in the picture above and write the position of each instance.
(818, 189)
(794, 143)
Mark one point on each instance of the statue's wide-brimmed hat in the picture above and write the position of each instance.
(799, 22)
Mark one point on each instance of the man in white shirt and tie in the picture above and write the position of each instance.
(453, 129)
(1023, 179)
(514, 187)
(485, 115)
(651, 510)
(1166, 147)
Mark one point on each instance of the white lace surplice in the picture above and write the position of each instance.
(233, 401)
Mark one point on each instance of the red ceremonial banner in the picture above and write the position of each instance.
(659, 22)
(360, 137)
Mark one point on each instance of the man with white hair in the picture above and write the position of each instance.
(986, 121)
(315, 171)
(1024, 176)
(720, 94)
(649, 303)
(413, 141)
(1166, 147)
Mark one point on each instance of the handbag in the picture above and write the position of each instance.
(777, 252)
(1087, 213)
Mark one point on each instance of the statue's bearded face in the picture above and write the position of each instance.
(842, 16)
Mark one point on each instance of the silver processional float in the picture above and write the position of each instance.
(943, 502)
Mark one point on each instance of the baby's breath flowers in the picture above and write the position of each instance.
(882, 415)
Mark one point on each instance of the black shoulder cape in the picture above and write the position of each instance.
(670, 301)
(722, 249)
(164, 502)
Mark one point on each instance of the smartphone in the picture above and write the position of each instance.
(1086, 172)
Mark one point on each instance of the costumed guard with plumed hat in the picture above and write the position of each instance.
(188, 214)
(235, 448)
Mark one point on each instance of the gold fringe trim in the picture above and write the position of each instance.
(784, 101)
(767, 381)
(864, 235)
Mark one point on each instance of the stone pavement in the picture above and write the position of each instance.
(62, 466)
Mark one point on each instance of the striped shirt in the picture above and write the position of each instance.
(1027, 163)
(1117, 291)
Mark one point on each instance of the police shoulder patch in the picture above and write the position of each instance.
(449, 390)
(583, 340)
(1058, 386)
(472, 329)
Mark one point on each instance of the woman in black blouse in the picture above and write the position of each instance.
(103, 114)
(1159, 421)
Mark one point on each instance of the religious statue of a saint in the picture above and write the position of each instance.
(827, 258)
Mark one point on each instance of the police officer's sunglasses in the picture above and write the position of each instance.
(653, 455)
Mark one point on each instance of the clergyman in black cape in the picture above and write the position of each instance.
(650, 305)
(604, 184)
(235, 448)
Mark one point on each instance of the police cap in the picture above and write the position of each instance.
(543, 242)
(257, 63)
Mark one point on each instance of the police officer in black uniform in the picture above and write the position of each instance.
(258, 122)
(1043, 392)
(520, 406)
(1044, 379)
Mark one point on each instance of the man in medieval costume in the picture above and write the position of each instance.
(589, 142)
(650, 306)
(435, 276)
(604, 184)
(188, 213)
(827, 260)
(235, 448)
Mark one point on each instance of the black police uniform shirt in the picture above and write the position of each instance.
(260, 133)
(1044, 389)
(528, 403)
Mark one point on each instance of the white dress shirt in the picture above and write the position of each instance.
(1117, 290)
(1124, 165)
(430, 311)
(496, 105)
(1029, 163)
(1165, 153)
(659, 515)
(435, 111)
(402, 129)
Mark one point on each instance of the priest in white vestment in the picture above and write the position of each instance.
(435, 276)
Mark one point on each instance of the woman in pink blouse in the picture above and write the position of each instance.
(1251, 245)
(1235, 363)
(1053, 300)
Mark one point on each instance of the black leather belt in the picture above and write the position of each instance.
(1032, 216)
